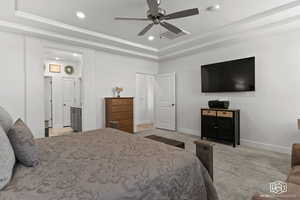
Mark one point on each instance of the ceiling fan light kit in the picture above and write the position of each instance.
(80, 15)
(151, 38)
(159, 16)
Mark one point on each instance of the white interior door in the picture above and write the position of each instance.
(166, 101)
(48, 100)
(69, 95)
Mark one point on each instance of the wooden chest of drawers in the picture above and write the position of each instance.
(119, 113)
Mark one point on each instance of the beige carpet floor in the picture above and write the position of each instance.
(239, 172)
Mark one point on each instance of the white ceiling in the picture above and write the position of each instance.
(234, 18)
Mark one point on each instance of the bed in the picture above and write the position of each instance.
(108, 164)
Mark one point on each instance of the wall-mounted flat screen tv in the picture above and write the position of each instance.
(230, 76)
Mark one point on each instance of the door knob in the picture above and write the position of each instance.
(173, 104)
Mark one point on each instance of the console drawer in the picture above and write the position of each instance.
(209, 113)
(226, 114)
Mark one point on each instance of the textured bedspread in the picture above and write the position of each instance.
(107, 164)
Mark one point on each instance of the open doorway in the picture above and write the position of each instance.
(63, 99)
(144, 101)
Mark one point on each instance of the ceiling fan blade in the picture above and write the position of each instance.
(181, 14)
(153, 5)
(133, 19)
(171, 27)
(145, 30)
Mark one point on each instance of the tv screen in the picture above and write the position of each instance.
(230, 76)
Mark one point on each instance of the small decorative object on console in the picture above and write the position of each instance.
(118, 90)
(218, 104)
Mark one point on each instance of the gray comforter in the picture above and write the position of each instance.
(108, 164)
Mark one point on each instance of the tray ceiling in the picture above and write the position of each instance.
(59, 16)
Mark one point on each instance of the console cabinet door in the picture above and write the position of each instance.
(209, 126)
(225, 128)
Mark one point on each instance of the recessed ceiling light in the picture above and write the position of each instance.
(214, 7)
(75, 55)
(57, 58)
(80, 15)
(151, 38)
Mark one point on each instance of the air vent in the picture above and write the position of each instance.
(171, 36)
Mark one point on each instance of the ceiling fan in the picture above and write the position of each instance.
(159, 16)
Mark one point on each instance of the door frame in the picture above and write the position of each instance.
(87, 76)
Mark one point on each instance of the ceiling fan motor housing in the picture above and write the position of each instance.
(156, 19)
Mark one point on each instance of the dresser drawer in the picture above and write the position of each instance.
(121, 116)
(226, 114)
(128, 129)
(121, 108)
(209, 113)
(125, 123)
(121, 102)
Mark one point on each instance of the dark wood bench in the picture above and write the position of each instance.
(204, 151)
(168, 141)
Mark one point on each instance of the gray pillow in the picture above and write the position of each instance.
(23, 144)
(5, 120)
(7, 159)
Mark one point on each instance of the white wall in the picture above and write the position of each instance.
(12, 79)
(113, 70)
(268, 116)
(22, 79)
(35, 109)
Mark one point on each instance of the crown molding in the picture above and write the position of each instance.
(276, 27)
(35, 32)
(236, 24)
(58, 24)
(236, 31)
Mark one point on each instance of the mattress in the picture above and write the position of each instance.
(108, 164)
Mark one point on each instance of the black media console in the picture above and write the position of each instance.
(221, 124)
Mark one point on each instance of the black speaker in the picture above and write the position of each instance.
(218, 104)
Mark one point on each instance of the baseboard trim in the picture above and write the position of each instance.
(250, 143)
(189, 131)
(269, 147)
